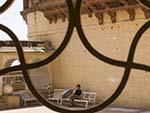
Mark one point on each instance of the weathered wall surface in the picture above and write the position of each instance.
(39, 77)
(77, 65)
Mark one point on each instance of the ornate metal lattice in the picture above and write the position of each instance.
(75, 22)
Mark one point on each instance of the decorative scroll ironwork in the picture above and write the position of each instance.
(145, 3)
(75, 22)
(6, 5)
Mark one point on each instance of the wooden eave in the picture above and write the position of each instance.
(57, 9)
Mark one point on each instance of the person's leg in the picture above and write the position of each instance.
(72, 100)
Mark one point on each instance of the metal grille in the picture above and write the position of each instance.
(75, 22)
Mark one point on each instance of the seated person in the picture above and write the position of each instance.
(77, 94)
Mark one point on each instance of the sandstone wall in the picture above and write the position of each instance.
(77, 65)
(39, 77)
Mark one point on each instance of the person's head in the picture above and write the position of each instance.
(78, 86)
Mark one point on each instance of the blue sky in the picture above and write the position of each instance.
(14, 21)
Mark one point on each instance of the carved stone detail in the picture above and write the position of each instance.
(54, 10)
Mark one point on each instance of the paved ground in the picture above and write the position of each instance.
(123, 110)
(46, 110)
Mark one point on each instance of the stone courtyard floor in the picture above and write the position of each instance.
(123, 110)
(46, 110)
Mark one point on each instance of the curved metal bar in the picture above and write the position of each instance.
(145, 3)
(127, 65)
(15, 41)
(29, 82)
(64, 43)
(97, 54)
(6, 5)
(75, 21)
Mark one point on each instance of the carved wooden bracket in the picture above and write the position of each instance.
(113, 16)
(54, 10)
(131, 14)
(35, 2)
(100, 18)
(89, 12)
(146, 13)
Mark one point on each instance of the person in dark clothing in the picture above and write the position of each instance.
(77, 94)
(78, 90)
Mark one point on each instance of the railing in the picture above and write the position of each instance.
(75, 22)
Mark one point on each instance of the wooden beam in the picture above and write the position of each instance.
(25, 4)
(100, 18)
(49, 17)
(113, 16)
(146, 12)
(89, 9)
(114, 9)
(131, 13)
(125, 2)
(55, 10)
